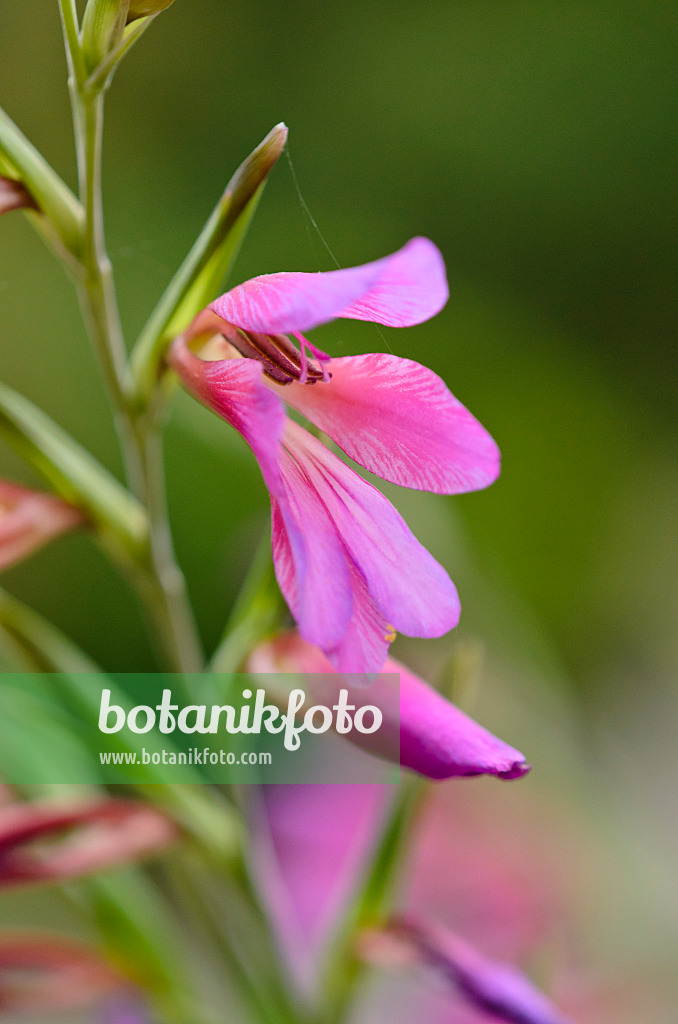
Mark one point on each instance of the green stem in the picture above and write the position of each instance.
(375, 900)
(167, 598)
(156, 575)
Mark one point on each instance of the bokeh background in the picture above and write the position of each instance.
(535, 142)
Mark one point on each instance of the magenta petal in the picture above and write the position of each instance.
(438, 740)
(428, 733)
(310, 843)
(495, 988)
(367, 638)
(399, 290)
(412, 591)
(399, 420)
(233, 389)
(309, 559)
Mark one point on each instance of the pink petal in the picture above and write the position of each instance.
(310, 843)
(399, 290)
(438, 740)
(309, 559)
(423, 731)
(495, 988)
(29, 519)
(410, 589)
(233, 389)
(108, 832)
(399, 420)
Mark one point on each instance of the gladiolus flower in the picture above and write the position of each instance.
(421, 729)
(14, 196)
(498, 989)
(351, 571)
(104, 834)
(60, 974)
(29, 519)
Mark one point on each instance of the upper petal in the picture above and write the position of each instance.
(398, 419)
(233, 389)
(410, 589)
(399, 290)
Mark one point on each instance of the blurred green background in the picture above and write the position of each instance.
(535, 142)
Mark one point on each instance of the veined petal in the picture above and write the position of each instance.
(410, 589)
(398, 419)
(495, 988)
(29, 519)
(399, 290)
(309, 559)
(366, 640)
(233, 389)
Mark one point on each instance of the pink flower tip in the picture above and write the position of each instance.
(29, 519)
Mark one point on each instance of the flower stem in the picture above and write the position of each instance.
(155, 574)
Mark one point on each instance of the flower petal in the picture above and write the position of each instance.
(438, 740)
(410, 589)
(495, 988)
(309, 559)
(426, 732)
(399, 290)
(309, 844)
(233, 389)
(398, 419)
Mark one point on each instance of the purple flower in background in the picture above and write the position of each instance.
(498, 989)
(421, 730)
(351, 571)
(126, 1011)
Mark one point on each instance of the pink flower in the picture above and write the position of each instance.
(421, 730)
(48, 973)
(29, 519)
(104, 833)
(350, 569)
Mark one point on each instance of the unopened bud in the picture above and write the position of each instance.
(13, 196)
(143, 8)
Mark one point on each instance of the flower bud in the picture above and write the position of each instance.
(14, 196)
(143, 8)
(29, 519)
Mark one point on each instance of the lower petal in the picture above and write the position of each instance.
(410, 589)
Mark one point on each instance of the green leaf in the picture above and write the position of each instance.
(73, 473)
(207, 264)
(19, 158)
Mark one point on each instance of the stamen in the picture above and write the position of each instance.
(318, 353)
